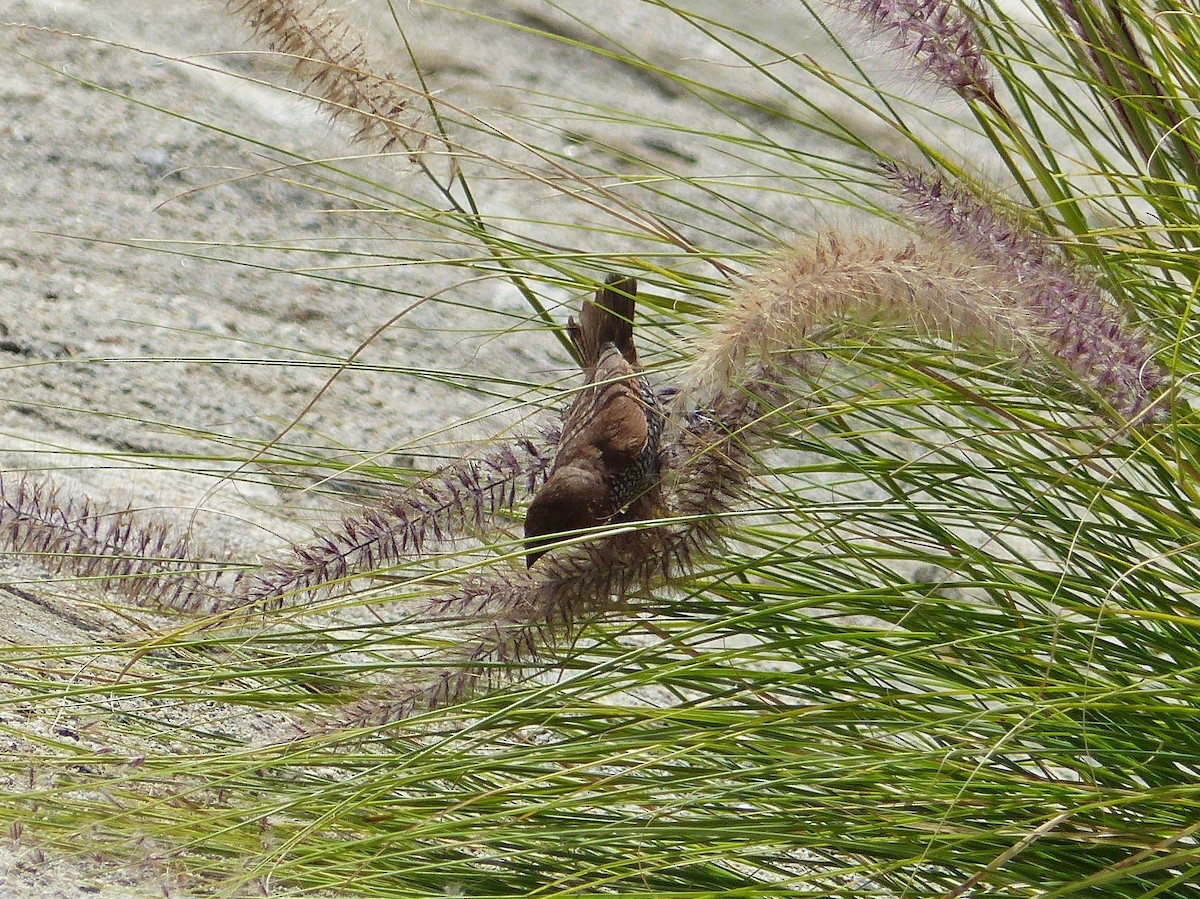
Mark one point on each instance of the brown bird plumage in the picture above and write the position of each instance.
(607, 463)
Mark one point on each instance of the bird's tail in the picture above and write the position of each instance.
(607, 319)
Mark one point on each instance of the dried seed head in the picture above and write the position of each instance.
(328, 58)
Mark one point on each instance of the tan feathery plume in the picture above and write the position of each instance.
(329, 57)
(930, 289)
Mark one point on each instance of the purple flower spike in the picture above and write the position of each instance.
(938, 34)
(1086, 329)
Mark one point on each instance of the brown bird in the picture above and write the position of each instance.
(607, 464)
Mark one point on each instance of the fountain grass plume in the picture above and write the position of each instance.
(146, 559)
(141, 557)
(456, 498)
(939, 34)
(329, 56)
(1085, 328)
(922, 287)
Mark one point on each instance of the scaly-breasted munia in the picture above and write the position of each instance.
(607, 464)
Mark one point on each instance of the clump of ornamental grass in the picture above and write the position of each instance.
(916, 615)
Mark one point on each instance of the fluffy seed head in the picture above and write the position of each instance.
(1085, 329)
